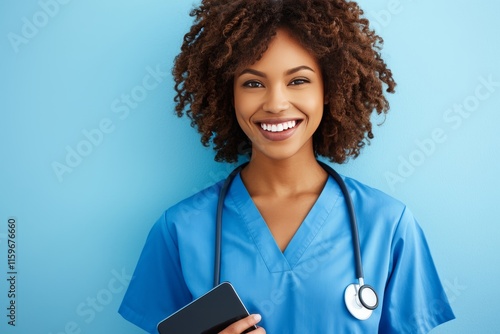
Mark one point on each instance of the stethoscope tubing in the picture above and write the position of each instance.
(352, 219)
(350, 208)
(218, 225)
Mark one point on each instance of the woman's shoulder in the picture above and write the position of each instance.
(380, 214)
(366, 190)
(196, 207)
(373, 200)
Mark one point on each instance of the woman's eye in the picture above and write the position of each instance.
(299, 81)
(252, 84)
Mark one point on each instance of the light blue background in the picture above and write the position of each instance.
(78, 233)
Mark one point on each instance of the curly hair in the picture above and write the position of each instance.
(227, 34)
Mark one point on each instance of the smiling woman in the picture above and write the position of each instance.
(340, 41)
(284, 89)
(292, 79)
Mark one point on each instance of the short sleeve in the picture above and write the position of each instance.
(414, 300)
(157, 288)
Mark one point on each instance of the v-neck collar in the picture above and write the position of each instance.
(275, 260)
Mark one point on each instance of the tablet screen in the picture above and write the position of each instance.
(208, 314)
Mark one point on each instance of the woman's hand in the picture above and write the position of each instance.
(239, 326)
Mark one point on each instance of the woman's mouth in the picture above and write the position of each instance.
(278, 131)
(278, 127)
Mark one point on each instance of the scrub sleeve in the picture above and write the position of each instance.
(414, 300)
(157, 287)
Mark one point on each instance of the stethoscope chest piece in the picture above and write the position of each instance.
(360, 300)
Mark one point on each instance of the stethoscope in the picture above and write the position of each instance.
(360, 299)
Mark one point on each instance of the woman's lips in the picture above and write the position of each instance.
(278, 127)
(278, 131)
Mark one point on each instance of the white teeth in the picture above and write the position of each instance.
(278, 127)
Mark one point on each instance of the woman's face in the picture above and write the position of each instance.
(279, 99)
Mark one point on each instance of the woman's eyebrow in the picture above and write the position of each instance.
(254, 72)
(299, 68)
(288, 72)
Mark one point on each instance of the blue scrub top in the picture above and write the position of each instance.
(300, 290)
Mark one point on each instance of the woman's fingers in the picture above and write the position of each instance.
(241, 325)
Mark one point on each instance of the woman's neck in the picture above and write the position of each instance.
(287, 177)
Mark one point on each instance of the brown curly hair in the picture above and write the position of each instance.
(227, 34)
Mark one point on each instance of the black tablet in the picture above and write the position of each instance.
(208, 314)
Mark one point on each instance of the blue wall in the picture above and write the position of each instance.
(91, 153)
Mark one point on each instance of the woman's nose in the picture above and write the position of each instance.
(276, 101)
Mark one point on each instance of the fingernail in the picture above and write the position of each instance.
(257, 317)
